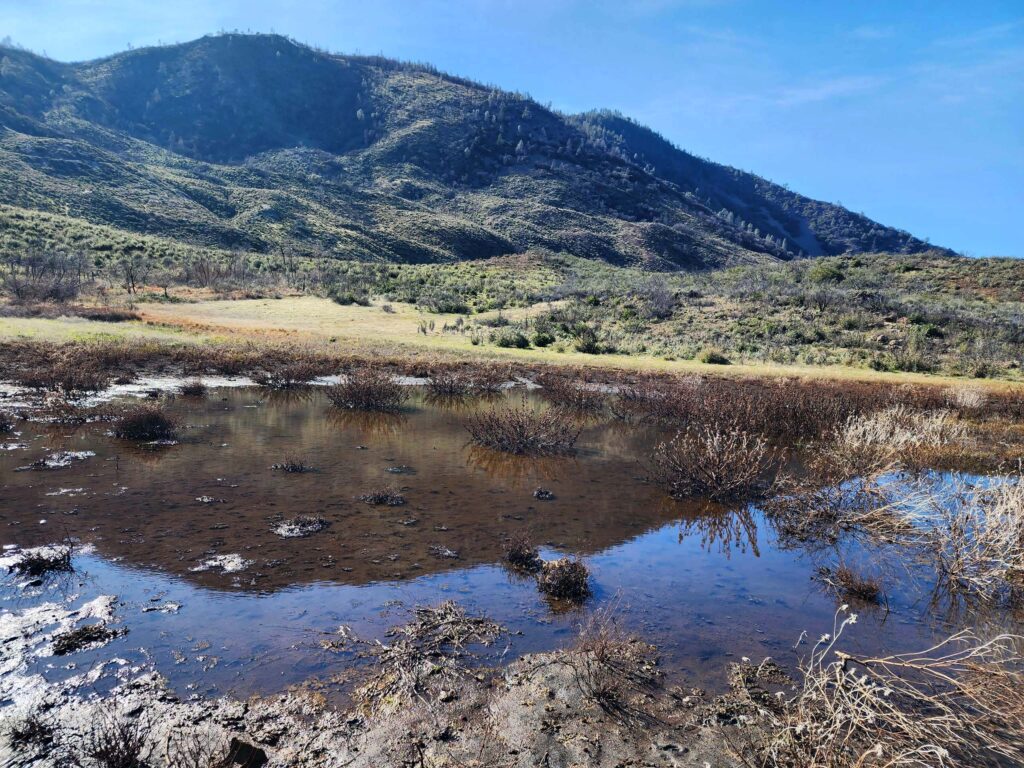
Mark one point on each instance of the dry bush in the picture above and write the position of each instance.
(193, 747)
(70, 378)
(449, 382)
(521, 554)
(959, 703)
(966, 399)
(193, 388)
(290, 374)
(108, 314)
(565, 578)
(145, 422)
(388, 496)
(524, 430)
(491, 379)
(571, 392)
(368, 389)
(6, 422)
(721, 463)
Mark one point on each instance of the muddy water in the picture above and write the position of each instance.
(219, 602)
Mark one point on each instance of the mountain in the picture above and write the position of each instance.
(256, 142)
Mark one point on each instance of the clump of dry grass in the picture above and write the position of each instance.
(566, 579)
(44, 560)
(6, 422)
(895, 436)
(524, 430)
(612, 669)
(293, 466)
(115, 741)
(852, 585)
(31, 732)
(82, 637)
(426, 657)
(388, 496)
(368, 389)
(521, 554)
(449, 383)
(958, 703)
(717, 462)
(145, 422)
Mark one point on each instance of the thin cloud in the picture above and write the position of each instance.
(872, 32)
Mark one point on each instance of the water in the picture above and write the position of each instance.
(705, 584)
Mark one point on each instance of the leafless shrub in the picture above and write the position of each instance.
(290, 374)
(145, 422)
(721, 463)
(72, 379)
(566, 579)
(449, 382)
(193, 388)
(525, 430)
(571, 392)
(368, 389)
(490, 379)
(959, 703)
(193, 747)
(388, 496)
(521, 554)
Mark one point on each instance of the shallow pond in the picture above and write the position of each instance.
(188, 536)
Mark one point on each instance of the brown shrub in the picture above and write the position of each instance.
(193, 388)
(290, 374)
(721, 463)
(449, 382)
(571, 392)
(851, 585)
(368, 389)
(525, 430)
(145, 422)
(565, 578)
(520, 553)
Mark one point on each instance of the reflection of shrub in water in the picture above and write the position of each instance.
(717, 462)
(524, 430)
(512, 467)
(368, 423)
(368, 389)
(726, 530)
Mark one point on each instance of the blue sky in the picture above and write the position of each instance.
(912, 112)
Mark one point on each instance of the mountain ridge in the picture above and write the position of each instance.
(259, 143)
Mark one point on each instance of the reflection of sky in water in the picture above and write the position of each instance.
(706, 587)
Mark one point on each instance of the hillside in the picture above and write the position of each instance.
(256, 143)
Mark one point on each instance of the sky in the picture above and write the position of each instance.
(910, 112)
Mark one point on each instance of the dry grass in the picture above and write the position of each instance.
(524, 430)
(566, 579)
(114, 741)
(368, 389)
(717, 462)
(426, 657)
(44, 560)
(959, 703)
(291, 374)
(293, 466)
(851, 585)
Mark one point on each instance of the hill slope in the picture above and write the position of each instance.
(258, 143)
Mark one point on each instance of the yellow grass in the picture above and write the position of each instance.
(312, 321)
